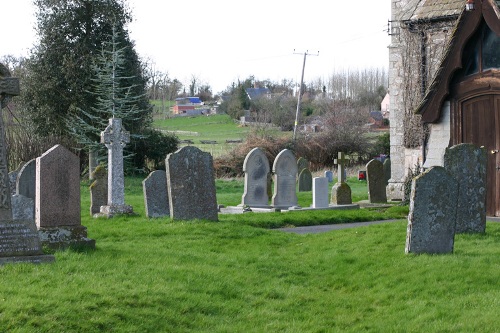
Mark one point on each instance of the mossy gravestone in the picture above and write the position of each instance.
(433, 211)
(305, 180)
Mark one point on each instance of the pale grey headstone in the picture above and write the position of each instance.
(433, 211)
(26, 180)
(156, 194)
(191, 184)
(329, 175)
(256, 169)
(320, 189)
(98, 189)
(376, 182)
(468, 165)
(285, 175)
(305, 180)
(23, 208)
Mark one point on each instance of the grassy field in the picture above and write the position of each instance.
(232, 276)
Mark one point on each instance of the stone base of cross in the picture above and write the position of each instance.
(341, 192)
(110, 211)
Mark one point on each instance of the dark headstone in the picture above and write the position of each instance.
(305, 180)
(155, 194)
(376, 182)
(191, 185)
(433, 211)
(468, 165)
(98, 190)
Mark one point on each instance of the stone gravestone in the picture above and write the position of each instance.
(57, 213)
(19, 240)
(302, 164)
(155, 194)
(256, 169)
(468, 165)
(433, 210)
(387, 170)
(329, 175)
(115, 137)
(25, 188)
(320, 192)
(191, 185)
(305, 180)
(98, 189)
(376, 182)
(285, 175)
(341, 192)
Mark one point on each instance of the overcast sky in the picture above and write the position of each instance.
(221, 41)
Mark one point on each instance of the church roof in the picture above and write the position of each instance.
(417, 10)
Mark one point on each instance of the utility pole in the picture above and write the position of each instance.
(299, 98)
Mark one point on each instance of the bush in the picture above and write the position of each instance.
(151, 149)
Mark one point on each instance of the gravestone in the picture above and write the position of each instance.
(155, 194)
(341, 192)
(98, 189)
(57, 213)
(320, 192)
(191, 185)
(115, 137)
(329, 175)
(302, 164)
(19, 240)
(23, 208)
(433, 210)
(468, 165)
(256, 169)
(25, 187)
(305, 180)
(285, 175)
(387, 170)
(376, 182)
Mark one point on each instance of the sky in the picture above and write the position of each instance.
(222, 41)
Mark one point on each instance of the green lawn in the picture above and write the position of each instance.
(234, 276)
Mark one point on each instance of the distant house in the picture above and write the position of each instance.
(376, 119)
(384, 106)
(189, 106)
(256, 93)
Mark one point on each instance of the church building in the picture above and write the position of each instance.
(444, 85)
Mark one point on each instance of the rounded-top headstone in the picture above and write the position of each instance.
(285, 175)
(256, 168)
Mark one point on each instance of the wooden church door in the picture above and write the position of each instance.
(481, 126)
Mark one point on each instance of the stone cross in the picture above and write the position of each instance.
(340, 161)
(8, 87)
(115, 137)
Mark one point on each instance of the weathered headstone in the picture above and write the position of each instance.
(156, 194)
(329, 175)
(433, 210)
(23, 208)
(26, 180)
(320, 192)
(468, 165)
(305, 180)
(191, 184)
(376, 182)
(341, 192)
(115, 137)
(57, 213)
(19, 240)
(256, 169)
(387, 170)
(98, 189)
(285, 175)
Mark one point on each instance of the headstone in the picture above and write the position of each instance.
(387, 170)
(98, 190)
(285, 175)
(468, 165)
(23, 208)
(115, 137)
(329, 175)
(302, 164)
(376, 182)
(57, 213)
(433, 210)
(256, 169)
(191, 184)
(26, 180)
(341, 192)
(19, 240)
(320, 192)
(305, 180)
(155, 194)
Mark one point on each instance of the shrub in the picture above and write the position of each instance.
(151, 149)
